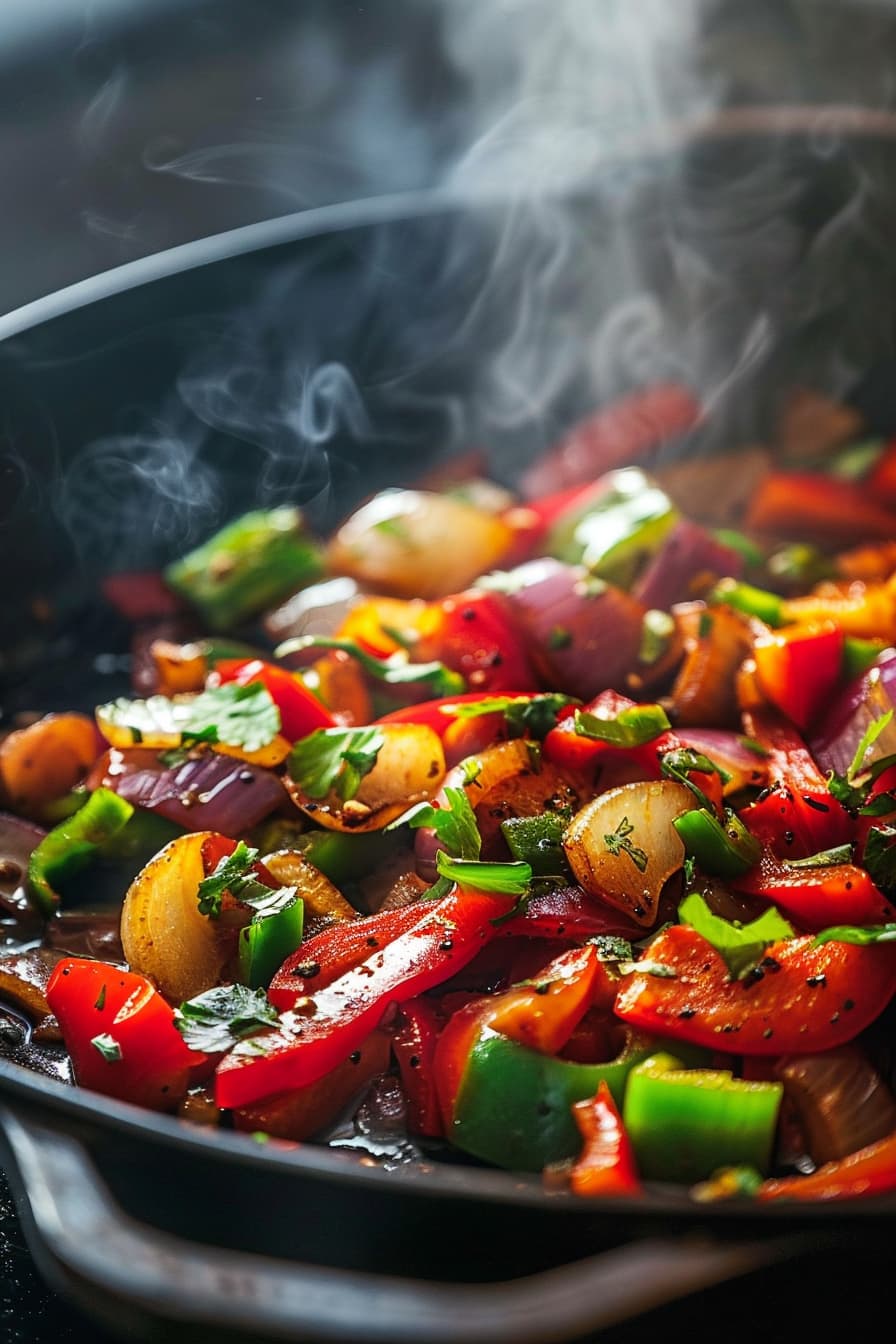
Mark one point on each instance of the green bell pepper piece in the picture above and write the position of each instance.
(513, 1106)
(346, 858)
(615, 532)
(72, 845)
(538, 841)
(721, 850)
(752, 601)
(685, 1124)
(252, 563)
(858, 656)
(265, 943)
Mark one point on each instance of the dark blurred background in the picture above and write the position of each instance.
(128, 126)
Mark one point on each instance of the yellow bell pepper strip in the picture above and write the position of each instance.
(869, 1171)
(71, 846)
(606, 1166)
(326, 1027)
(799, 997)
(251, 564)
(686, 1123)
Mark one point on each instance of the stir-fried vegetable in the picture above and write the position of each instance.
(577, 816)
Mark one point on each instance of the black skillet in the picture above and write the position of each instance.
(117, 388)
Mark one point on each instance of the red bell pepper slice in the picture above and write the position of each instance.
(332, 953)
(474, 634)
(803, 505)
(300, 711)
(881, 483)
(798, 668)
(141, 1056)
(414, 1045)
(309, 1044)
(628, 430)
(435, 714)
(542, 1015)
(798, 816)
(818, 898)
(572, 751)
(801, 997)
(569, 912)
(869, 1171)
(607, 1166)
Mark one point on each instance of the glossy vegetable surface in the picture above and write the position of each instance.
(566, 823)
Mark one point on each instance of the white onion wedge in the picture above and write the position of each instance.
(162, 932)
(622, 846)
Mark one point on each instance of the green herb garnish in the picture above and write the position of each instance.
(216, 1020)
(454, 825)
(634, 726)
(742, 945)
(108, 1048)
(233, 873)
(619, 842)
(394, 671)
(334, 759)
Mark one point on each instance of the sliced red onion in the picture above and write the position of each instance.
(688, 554)
(748, 769)
(209, 792)
(582, 635)
(17, 840)
(850, 715)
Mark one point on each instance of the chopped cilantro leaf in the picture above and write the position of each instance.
(233, 874)
(880, 857)
(394, 671)
(535, 715)
(631, 727)
(334, 759)
(108, 1047)
(619, 842)
(217, 1019)
(742, 945)
(505, 879)
(455, 825)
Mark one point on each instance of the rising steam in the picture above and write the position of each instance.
(600, 249)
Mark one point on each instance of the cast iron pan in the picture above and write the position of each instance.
(116, 391)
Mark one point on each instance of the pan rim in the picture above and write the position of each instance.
(784, 120)
(22, 1090)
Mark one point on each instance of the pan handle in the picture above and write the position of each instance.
(124, 1271)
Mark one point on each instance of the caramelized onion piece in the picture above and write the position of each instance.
(623, 848)
(322, 900)
(163, 933)
(405, 542)
(23, 980)
(841, 1099)
(703, 694)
